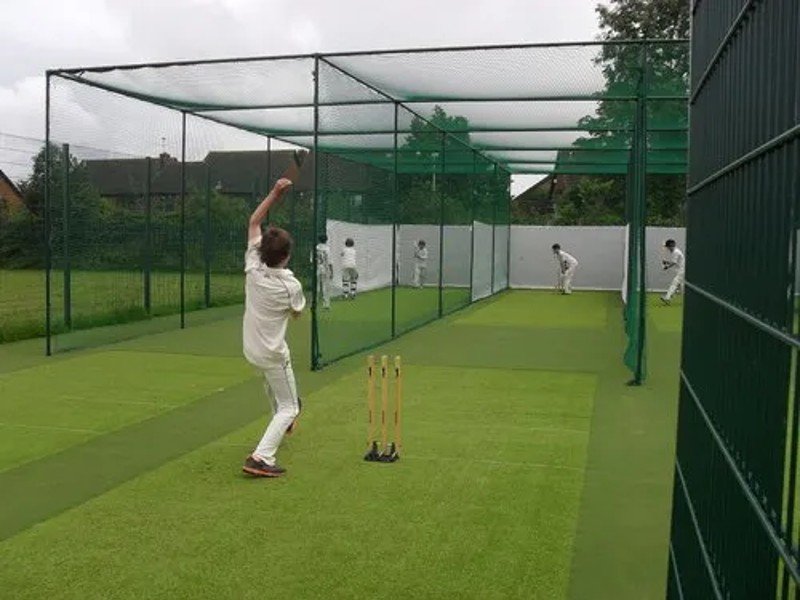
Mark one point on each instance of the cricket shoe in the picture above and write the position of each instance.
(293, 425)
(258, 468)
(665, 301)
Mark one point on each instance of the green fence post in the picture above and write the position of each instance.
(443, 167)
(472, 225)
(148, 233)
(207, 241)
(315, 352)
(183, 219)
(494, 222)
(395, 200)
(65, 232)
(46, 225)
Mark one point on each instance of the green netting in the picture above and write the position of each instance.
(410, 146)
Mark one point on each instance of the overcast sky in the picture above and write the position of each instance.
(43, 34)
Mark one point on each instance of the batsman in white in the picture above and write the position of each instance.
(673, 259)
(567, 264)
(349, 269)
(420, 263)
(272, 295)
(324, 271)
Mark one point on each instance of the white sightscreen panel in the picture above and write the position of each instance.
(483, 259)
(407, 238)
(457, 255)
(600, 252)
(373, 245)
(625, 254)
(501, 233)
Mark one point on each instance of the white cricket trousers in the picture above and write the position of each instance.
(566, 280)
(677, 282)
(281, 388)
(420, 271)
(324, 288)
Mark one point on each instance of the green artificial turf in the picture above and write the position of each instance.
(529, 469)
(477, 507)
(666, 319)
(46, 408)
(100, 298)
(545, 309)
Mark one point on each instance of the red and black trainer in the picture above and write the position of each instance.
(258, 468)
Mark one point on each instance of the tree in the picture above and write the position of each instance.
(667, 74)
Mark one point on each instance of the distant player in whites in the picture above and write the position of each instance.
(324, 271)
(420, 263)
(349, 269)
(566, 269)
(673, 259)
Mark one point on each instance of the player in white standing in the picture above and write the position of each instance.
(673, 259)
(272, 296)
(324, 271)
(420, 263)
(567, 264)
(349, 269)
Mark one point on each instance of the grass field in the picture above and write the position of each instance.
(100, 298)
(529, 469)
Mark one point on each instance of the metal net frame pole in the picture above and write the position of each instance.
(46, 225)
(207, 250)
(315, 354)
(148, 235)
(183, 219)
(440, 191)
(67, 268)
(395, 218)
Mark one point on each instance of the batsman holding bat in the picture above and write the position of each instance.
(673, 258)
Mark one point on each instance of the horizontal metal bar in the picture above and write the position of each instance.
(475, 130)
(245, 59)
(696, 526)
(755, 321)
(508, 47)
(784, 551)
(784, 138)
(720, 49)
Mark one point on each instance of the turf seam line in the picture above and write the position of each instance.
(501, 463)
(51, 428)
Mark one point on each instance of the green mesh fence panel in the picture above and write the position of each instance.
(734, 521)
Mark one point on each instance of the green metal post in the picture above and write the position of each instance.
(494, 222)
(183, 220)
(207, 241)
(443, 166)
(46, 228)
(472, 225)
(65, 185)
(148, 233)
(395, 200)
(315, 350)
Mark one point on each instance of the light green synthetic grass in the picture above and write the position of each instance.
(482, 505)
(545, 309)
(666, 319)
(99, 297)
(350, 325)
(49, 407)
(490, 500)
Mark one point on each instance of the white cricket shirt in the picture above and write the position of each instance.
(349, 258)
(421, 254)
(566, 260)
(270, 297)
(323, 258)
(677, 258)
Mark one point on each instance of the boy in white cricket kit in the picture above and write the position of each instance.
(272, 295)
(674, 259)
(567, 264)
(349, 269)
(420, 263)
(324, 271)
